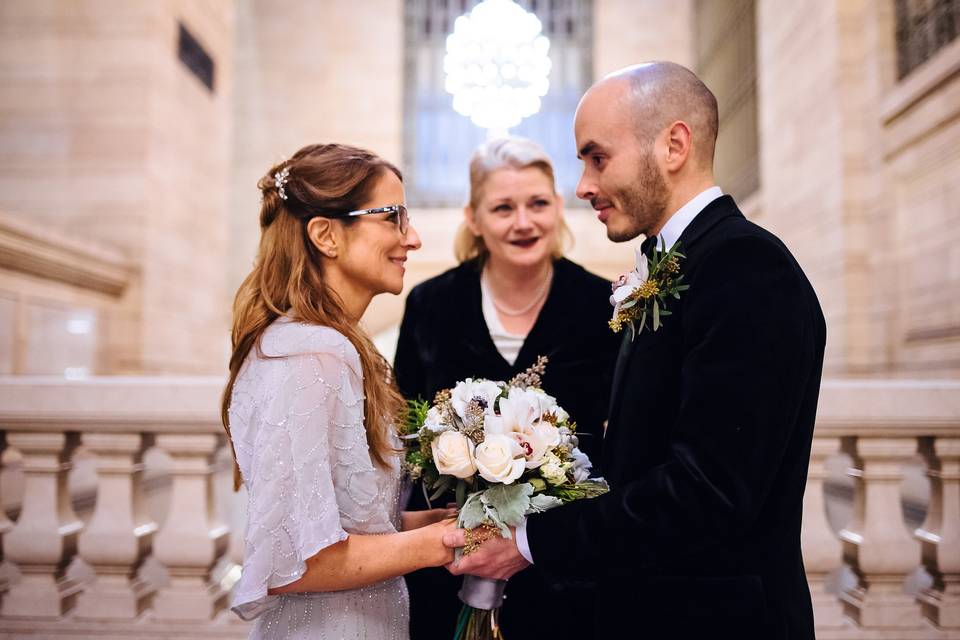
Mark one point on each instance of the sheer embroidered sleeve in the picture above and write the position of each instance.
(287, 415)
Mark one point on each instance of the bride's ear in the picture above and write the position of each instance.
(470, 219)
(324, 233)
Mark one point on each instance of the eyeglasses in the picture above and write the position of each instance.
(398, 210)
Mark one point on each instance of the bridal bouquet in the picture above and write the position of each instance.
(506, 449)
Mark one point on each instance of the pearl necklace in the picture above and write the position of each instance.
(537, 299)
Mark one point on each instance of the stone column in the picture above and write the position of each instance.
(822, 550)
(43, 541)
(886, 551)
(120, 534)
(190, 541)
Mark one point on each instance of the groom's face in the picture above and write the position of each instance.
(621, 178)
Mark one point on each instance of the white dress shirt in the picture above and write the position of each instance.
(669, 235)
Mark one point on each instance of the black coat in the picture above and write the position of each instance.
(711, 422)
(444, 339)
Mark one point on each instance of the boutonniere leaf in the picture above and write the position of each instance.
(640, 297)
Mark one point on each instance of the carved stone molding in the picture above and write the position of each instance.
(53, 257)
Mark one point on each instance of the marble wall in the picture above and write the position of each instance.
(115, 156)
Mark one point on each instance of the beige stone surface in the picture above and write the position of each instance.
(107, 137)
(309, 72)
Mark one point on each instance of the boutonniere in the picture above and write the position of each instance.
(641, 295)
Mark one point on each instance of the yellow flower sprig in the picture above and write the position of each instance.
(648, 301)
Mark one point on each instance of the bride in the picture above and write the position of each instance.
(309, 407)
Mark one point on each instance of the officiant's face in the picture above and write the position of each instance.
(517, 216)
(621, 178)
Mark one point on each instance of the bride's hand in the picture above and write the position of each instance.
(433, 535)
(410, 520)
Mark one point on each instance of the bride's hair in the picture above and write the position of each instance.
(504, 153)
(287, 278)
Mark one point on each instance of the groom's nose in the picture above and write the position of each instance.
(586, 189)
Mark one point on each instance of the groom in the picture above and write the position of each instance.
(711, 415)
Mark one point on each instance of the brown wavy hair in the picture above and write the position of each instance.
(287, 278)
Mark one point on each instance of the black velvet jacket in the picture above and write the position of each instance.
(444, 339)
(711, 421)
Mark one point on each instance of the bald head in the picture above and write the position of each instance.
(658, 94)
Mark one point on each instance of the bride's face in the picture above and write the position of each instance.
(375, 250)
(517, 217)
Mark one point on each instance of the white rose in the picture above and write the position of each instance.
(499, 459)
(453, 453)
(484, 390)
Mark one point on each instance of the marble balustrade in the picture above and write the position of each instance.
(873, 572)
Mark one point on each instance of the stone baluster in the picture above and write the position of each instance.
(881, 550)
(119, 534)
(43, 541)
(822, 550)
(5, 523)
(190, 542)
(941, 534)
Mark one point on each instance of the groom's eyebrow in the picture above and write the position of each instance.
(586, 150)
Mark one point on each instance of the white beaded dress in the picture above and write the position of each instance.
(296, 421)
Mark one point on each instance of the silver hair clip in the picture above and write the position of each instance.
(279, 179)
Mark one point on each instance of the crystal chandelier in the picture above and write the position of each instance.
(497, 67)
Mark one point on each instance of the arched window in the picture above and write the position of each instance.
(438, 141)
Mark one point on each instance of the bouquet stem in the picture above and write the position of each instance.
(479, 617)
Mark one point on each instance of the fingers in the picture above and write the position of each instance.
(454, 538)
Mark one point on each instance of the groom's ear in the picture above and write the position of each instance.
(470, 217)
(679, 145)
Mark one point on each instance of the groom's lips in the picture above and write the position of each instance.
(603, 213)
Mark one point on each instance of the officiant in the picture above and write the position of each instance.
(512, 298)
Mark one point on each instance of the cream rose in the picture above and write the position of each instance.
(499, 458)
(453, 454)
(553, 470)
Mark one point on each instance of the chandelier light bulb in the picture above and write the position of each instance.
(497, 65)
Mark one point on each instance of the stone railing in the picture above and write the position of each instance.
(117, 423)
(151, 556)
(860, 569)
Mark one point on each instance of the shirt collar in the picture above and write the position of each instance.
(685, 215)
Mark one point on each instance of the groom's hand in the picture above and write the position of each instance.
(496, 558)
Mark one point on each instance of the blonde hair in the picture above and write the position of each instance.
(504, 153)
(288, 279)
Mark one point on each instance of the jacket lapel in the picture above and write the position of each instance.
(712, 214)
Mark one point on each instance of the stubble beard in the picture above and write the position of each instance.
(644, 204)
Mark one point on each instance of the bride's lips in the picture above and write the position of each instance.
(524, 243)
(399, 262)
